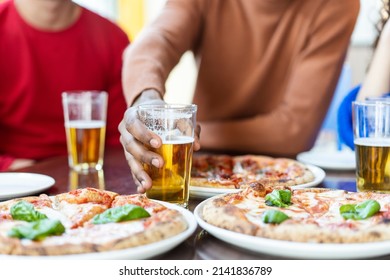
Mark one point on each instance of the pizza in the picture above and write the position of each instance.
(84, 221)
(314, 215)
(235, 172)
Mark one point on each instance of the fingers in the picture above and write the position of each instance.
(136, 140)
(141, 179)
(197, 138)
(185, 126)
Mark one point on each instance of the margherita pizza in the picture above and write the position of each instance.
(235, 172)
(83, 221)
(302, 215)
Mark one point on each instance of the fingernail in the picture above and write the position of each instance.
(153, 143)
(155, 162)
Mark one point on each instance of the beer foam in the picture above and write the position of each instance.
(170, 115)
(178, 140)
(373, 142)
(85, 124)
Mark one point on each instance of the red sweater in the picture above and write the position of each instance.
(37, 66)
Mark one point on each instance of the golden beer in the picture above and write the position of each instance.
(373, 164)
(171, 182)
(85, 140)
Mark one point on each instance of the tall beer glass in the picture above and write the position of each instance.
(175, 125)
(85, 124)
(371, 124)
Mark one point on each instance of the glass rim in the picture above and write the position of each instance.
(80, 92)
(168, 107)
(373, 102)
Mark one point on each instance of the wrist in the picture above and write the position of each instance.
(148, 96)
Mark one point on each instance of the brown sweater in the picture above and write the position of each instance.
(267, 68)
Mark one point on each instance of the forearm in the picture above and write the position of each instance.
(278, 134)
(377, 81)
(149, 60)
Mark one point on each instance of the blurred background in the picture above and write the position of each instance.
(133, 15)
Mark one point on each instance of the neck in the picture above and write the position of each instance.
(50, 15)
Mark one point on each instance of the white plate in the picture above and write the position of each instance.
(334, 160)
(134, 253)
(13, 184)
(204, 192)
(290, 249)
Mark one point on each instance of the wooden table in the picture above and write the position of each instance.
(116, 177)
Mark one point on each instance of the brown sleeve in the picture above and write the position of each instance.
(292, 127)
(151, 57)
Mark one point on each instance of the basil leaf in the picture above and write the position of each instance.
(274, 217)
(121, 213)
(25, 211)
(360, 211)
(280, 198)
(37, 230)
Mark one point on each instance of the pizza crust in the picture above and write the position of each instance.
(231, 212)
(235, 172)
(89, 238)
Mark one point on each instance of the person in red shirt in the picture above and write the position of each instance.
(46, 48)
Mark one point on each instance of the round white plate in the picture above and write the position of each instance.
(205, 192)
(13, 184)
(288, 249)
(134, 253)
(334, 160)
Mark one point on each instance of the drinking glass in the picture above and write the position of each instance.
(175, 125)
(85, 124)
(371, 124)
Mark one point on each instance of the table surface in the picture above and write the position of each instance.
(116, 177)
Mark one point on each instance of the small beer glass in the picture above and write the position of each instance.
(371, 124)
(85, 125)
(175, 125)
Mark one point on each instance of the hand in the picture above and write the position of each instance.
(136, 137)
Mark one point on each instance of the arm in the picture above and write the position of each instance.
(147, 64)
(292, 127)
(377, 81)
(159, 47)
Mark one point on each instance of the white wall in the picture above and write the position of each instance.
(106, 8)
(365, 32)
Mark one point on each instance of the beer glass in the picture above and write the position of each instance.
(85, 125)
(175, 125)
(371, 124)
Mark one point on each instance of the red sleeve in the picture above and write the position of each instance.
(5, 162)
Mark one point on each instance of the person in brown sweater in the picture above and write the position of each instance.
(267, 70)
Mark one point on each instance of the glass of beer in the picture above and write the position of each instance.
(371, 125)
(85, 125)
(175, 125)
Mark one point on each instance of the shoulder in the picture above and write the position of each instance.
(101, 26)
(5, 8)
